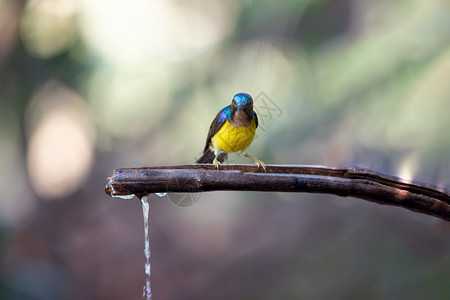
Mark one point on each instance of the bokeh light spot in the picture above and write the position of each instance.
(60, 150)
(49, 27)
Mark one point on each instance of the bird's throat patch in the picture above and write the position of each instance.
(240, 119)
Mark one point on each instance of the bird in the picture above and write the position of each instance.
(232, 130)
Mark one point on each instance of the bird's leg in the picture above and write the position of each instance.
(258, 162)
(216, 162)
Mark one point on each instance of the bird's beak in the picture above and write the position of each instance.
(240, 107)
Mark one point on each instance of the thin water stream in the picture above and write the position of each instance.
(147, 290)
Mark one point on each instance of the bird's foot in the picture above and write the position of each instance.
(260, 163)
(216, 163)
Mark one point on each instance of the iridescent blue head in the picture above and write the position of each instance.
(242, 101)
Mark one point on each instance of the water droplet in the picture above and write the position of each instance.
(127, 197)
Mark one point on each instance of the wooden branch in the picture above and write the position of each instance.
(355, 182)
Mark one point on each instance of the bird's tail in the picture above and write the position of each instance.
(208, 157)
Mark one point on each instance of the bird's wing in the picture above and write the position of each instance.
(216, 124)
(256, 118)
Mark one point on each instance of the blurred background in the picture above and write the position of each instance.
(90, 86)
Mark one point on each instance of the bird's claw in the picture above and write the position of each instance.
(260, 163)
(216, 164)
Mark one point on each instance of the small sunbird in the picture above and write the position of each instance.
(232, 130)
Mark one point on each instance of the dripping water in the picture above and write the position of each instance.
(147, 290)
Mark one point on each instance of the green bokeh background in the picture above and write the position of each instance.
(90, 86)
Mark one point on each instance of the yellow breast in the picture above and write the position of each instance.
(233, 139)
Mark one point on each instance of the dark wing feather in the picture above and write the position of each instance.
(256, 118)
(217, 123)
